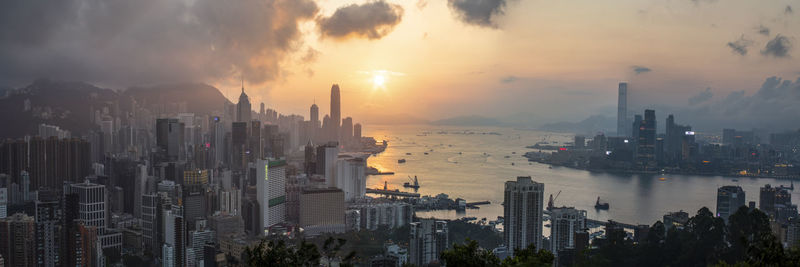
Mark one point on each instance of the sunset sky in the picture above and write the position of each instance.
(547, 60)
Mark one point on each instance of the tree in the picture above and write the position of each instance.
(276, 253)
(529, 257)
(469, 255)
(333, 246)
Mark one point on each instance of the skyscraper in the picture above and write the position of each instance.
(327, 155)
(314, 116)
(243, 108)
(346, 132)
(522, 209)
(729, 199)
(646, 142)
(170, 139)
(17, 244)
(271, 192)
(566, 222)
(622, 110)
(48, 228)
(428, 240)
(336, 112)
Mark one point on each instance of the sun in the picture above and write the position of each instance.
(378, 80)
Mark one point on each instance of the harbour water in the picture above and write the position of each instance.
(473, 163)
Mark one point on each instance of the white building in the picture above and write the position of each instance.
(565, 221)
(522, 209)
(230, 201)
(326, 162)
(428, 240)
(271, 191)
(350, 176)
(389, 214)
(92, 204)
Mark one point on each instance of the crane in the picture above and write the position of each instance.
(552, 200)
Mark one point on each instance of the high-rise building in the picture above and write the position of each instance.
(646, 142)
(243, 108)
(357, 132)
(92, 204)
(350, 175)
(170, 139)
(151, 220)
(336, 112)
(314, 116)
(566, 222)
(622, 110)
(48, 228)
(174, 237)
(327, 155)
(428, 240)
(18, 242)
(271, 192)
(195, 178)
(310, 159)
(239, 145)
(346, 133)
(522, 209)
(256, 140)
(729, 199)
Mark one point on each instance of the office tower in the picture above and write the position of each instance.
(729, 199)
(262, 113)
(357, 132)
(17, 244)
(151, 219)
(48, 228)
(580, 142)
(322, 210)
(198, 240)
(271, 192)
(230, 201)
(70, 238)
(195, 178)
(170, 139)
(314, 116)
(346, 133)
(309, 157)
(766, 199)
(256, 140)
(92, 202)
(522, 209)
(243, 108)
(194, 205)
(646, 142)
(336, 112)
(326, 162)
(350, 176)
(174, 237)
(3, 197)
(566, 222)
(239, 145)
(622, 110)
(428, 240)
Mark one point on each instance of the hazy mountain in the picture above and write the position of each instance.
(392, 119)
(588, 126)
(472, 120)
(199, 98)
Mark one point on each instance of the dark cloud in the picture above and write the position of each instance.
(788, 10)
(778, 47)
(740, 46)
(701, 97)
(640, 69)
(478, 12)
(763, 30)
(372, 20)
(122, 43)
(509, 79)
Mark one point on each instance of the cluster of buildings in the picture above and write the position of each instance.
(639, 146)
(776, 202)
(178, 189)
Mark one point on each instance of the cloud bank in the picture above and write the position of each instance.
(371, 20)
(478, 12)
(148, 41)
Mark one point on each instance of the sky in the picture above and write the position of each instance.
(704, 60)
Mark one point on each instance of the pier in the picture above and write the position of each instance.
(392, 193)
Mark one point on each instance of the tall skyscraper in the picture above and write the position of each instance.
(314, 116)
(170, 139)
(17, 240)
(622, 110)
(350, 175)
(48, 228)
(243, 108)
(428, 240)
(336, 111)
(346, 132)
(271, 192)
(327, 155)
(522, 209)
(357, 132)
(566, 222)
(729, 199)
(92, 202)
(646, 142)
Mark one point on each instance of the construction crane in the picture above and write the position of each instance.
(552, 200)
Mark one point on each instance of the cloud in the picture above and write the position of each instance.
(701, 97)
(478, 12)
(788, 10)
(763, 30)
(509, 79)
(149, 41)
(640, 69)
(372, 20)
(740, 46)
(778, 47)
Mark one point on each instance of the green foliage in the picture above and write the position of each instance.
(276, 253)
(471, 254)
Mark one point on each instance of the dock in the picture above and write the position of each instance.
(597, 223)
(392, 193)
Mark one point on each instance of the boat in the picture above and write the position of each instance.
(408, 153)
(601, 205)
(662, 179)
(735, 180)
(415, 185)
(401, 161)
(512, 164)
(426, 153)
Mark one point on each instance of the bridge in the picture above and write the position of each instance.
(395, 192)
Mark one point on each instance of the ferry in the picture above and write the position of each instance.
(601, 205)
(401, 161)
